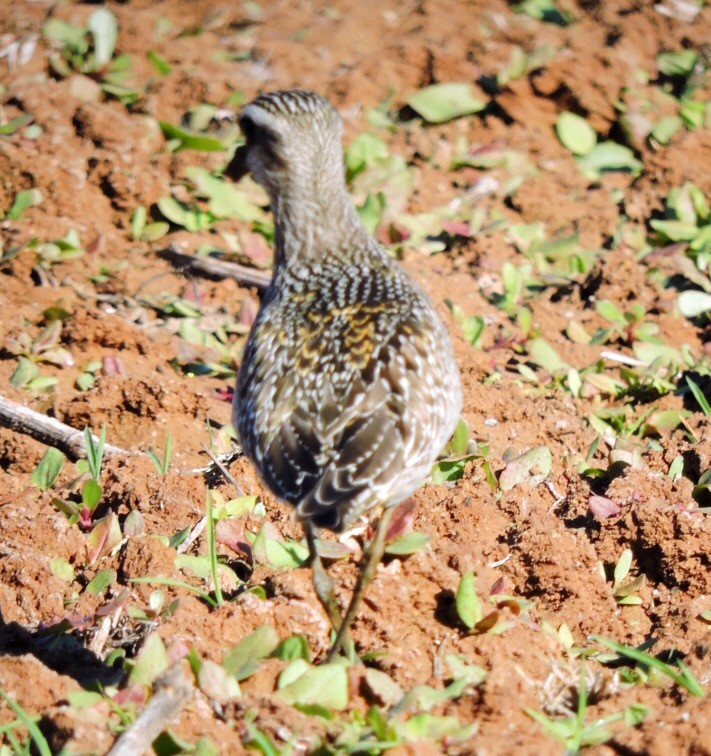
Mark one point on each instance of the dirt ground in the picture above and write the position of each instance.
(125, 306)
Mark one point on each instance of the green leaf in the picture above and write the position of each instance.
(25, 372)
(190, 140)
(292, 648)
(677, 63)
(674, 230)
(575, 133)
(461, 669)
(62, 569)
(363, 152)
(9, 128)
(104, 29)
(665, 129)
(371, 211)
(681, 675)
(158, 62)
(544, 355)
(154, 231)
(610, 312)
(544, 10)
(701, 399)
(101, 582)
(531, 467)
(473, 328)
(35, 733)
(138, 222)
(467, 602)
(623, 565)
(325, 686)
(243, 659)
(23, 200)
(609, 156)
(151, 662)
(408, 544)
(94, 450)
(443, 102)
(44, 475)
(91, 494)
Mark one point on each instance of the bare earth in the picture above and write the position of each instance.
(97, 159)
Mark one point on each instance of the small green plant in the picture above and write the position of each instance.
(47, 471)
(212, 549)
(94, 451)
(624, 590)
(680, 673)
(45, 348)
(574, 732)
(162, 465)
(90, 51)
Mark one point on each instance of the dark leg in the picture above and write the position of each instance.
(370, 562)
(322, 580)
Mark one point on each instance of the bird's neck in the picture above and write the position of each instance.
(315, 224)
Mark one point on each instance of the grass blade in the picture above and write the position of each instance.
(683, 678)
(35, 733)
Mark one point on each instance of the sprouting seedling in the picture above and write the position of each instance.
(470, 609)
(700, 397)
(94, 451)
(623, 589)
(45, 348)
(680, 674)
(212, 548)
(573, 731)
(47, 471)
(90, 51)
(162, 465)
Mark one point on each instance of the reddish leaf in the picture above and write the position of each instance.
(105, 536)
(457, 228)
(111, 365)
(498, 587)
(230, 533)
(402, 520)
(193, 292)
(135, 694)
(116, 603)
(602, 507)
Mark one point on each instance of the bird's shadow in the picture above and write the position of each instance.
(59, 652)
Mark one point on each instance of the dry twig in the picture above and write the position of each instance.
(48, 430)
(210, 266)
(172, 693)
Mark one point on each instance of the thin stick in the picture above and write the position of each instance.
(173, 691)
(371, 559)
(48, 430)
(228, 475)
(210, 266)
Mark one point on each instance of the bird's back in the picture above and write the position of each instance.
(348, 388)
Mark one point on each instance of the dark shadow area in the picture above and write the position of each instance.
(446, 610)
(59, 652)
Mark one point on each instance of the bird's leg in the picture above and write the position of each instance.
(323, 584)
(371, 559)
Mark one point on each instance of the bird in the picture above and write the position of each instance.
(348, 388)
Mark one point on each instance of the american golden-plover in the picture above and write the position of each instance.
(348, 387)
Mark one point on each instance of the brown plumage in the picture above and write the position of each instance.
(348, 387)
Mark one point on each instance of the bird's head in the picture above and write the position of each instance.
(293, 143)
